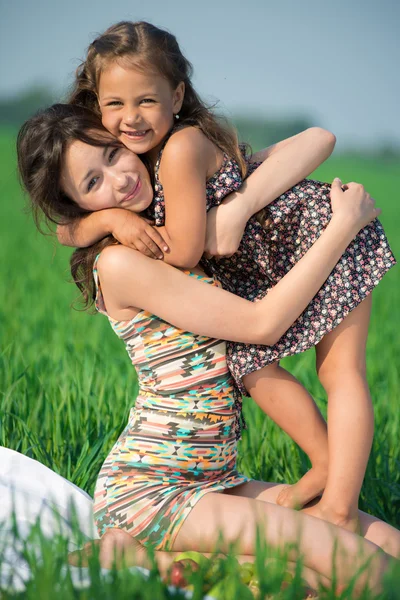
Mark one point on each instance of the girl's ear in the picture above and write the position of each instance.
(179, 94)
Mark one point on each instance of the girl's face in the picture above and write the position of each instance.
(138, 109)
(98, 177)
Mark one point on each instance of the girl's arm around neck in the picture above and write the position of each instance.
(285, 164)
(186, 162)
(322, 136)
(127, 227)
(85, 231)
(130, 279)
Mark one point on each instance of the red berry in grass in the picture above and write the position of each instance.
(177, 577)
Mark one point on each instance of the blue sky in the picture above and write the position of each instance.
(336, 61)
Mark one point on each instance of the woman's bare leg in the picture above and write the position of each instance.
(371, 528)
(323, 546)
(288, 403)
(341, 369)
(117, 545)
(119, 548)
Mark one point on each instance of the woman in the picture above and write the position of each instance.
(170, 480)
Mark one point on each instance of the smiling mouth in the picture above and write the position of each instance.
(136, 135)
(134, 191)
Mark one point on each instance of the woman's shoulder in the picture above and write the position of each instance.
(113, 261)
(116, 268)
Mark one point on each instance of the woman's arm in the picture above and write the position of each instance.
(127, 227)
(285, 164)
(130, 279)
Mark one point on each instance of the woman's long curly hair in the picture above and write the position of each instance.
(41, 146)
(152, 50)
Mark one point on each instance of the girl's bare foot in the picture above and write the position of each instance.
(311, 485)
(347, 521)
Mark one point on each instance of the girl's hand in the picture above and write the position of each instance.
(225, 227)
(138, 233)
(352, 205)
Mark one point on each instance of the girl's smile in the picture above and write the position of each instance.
(138, 109)
(98, 177)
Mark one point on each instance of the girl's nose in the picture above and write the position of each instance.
(131, 116)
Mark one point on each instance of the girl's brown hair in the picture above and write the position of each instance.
(148, 48)
(41, 146)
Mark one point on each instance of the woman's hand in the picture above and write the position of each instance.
(352, 205)
(138, 233)
(225, 227)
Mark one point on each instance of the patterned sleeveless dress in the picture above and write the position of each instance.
(180, 441)
(266, 253)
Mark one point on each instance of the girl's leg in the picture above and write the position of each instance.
(288, 403)
(341, 369)
(325, 549)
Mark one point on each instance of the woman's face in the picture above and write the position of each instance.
(98, 177)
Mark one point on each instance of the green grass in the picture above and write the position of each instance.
(67, 384)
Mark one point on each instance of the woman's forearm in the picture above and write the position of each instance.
(288, 299)
(285, 164)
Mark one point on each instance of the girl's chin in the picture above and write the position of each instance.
(136, 146)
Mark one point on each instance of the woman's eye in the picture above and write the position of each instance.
(113, 154)
(91, 183)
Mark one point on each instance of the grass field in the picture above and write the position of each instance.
(67, 384)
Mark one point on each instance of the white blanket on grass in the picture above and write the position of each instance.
(32, 493)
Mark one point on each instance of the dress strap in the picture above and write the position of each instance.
(160, 153)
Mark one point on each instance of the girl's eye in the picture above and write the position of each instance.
(113, 154)
(114, 103)
(148, 100)
(91, 183)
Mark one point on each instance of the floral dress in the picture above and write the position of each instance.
(266, 253)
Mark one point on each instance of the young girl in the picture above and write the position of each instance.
(137, 77)
(171, 481)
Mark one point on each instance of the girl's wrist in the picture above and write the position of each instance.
(109, 218)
